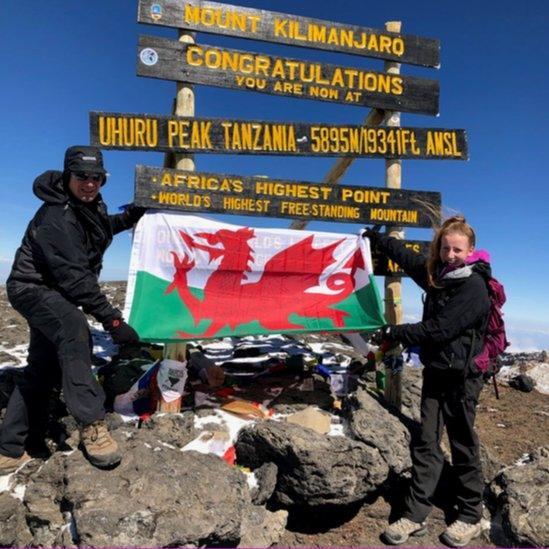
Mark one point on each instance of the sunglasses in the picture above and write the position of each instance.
(84, 176)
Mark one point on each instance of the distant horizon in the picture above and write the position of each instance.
(525, 335)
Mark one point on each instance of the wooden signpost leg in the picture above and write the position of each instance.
(184, 106)
(393, 300)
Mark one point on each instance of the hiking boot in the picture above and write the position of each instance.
(460, 533)
(98, 445)
(9, 464)
(402, 529)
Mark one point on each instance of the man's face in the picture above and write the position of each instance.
(85, 186)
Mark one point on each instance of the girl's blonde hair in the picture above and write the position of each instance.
(454, 224)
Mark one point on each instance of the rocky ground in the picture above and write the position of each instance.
(51, 499)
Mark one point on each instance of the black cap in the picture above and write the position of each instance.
(81, 158)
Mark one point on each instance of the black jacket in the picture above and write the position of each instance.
(63, 247)
(454, 316)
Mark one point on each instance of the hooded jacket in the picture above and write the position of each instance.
(63, 247)
(455, 315)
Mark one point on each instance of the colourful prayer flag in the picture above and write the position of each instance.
(196, 278)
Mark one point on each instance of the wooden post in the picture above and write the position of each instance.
(393, 296)
(183, 106)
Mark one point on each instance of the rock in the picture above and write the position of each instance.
(266, 483)
(524, 499)
(43, 498)
(313, 469)
(523, 383)
(374, 425)
(174, 429)
(317, 420)
(412, 382)
(262, 528)
(293, 399)
(157, 496)
(114, 421)
(14, 531)
(490, 466)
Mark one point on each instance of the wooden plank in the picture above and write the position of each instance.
(218, 135)
(293, 30)
(383, 266)
(241, 70)
(164, 188)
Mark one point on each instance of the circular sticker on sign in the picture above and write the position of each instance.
(148, 56)
(156, 11)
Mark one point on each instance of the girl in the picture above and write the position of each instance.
(451, 333)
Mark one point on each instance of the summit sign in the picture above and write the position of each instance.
(242, 70)
(292, 30)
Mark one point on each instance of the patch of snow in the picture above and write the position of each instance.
(19, 491)
(336, 430)
(19, 352)
(199, 422)
(250, 479)
(234, 423)
(5, 482)
(524, 459)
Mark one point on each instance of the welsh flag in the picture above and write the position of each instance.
(196, 278)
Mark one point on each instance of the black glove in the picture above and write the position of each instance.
(372, 233)
(134, 213)
(121, 332)
(383, 336)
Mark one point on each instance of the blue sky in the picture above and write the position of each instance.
(62, 58)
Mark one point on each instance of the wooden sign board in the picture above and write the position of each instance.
(164, 188)
(293, 30)
(383, 266)
(219, 135)
(241, 70)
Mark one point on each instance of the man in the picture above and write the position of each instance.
(53, 279)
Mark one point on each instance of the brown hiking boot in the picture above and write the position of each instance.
(9, 464)
(98, 445)
(402, 529)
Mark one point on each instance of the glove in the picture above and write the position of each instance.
(383, 337)
(121, 332)
(372, 233)
(134, 213)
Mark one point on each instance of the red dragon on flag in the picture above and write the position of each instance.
(288, 284)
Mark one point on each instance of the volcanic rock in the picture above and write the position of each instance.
(313, 469)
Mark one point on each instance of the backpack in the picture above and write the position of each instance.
(495, 340)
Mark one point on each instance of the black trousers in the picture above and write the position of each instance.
(59, 356)
(448, 399)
